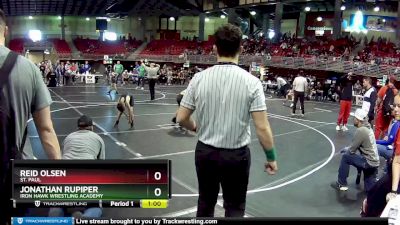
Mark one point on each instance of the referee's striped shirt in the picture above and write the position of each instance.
(223, 97)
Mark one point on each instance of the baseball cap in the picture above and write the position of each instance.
(360, 114)
(85, 121)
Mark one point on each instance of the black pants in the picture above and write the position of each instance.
(298, 95)
(376, 198)
(179, 99)
(228, 168)
(371, 120)
(282, 91)
(140, 81)
(152, 83)
(67, 80)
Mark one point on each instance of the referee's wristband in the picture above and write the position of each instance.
(271, 154)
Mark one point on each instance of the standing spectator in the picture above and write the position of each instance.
(357, 88)
(369, 99)
(383, 107)
(118, 69)
(152, 76)
(27, 96)
(141, 74)
(42, 68)
(364, 142)
(67, 74)
(60, 71)
(74, 71)
(346, 98)
(86, 67)
(299, 88)
(225, 96)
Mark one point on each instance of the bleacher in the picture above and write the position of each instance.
(62, 48)
(177, 47)
(92, 47)
(17, 45)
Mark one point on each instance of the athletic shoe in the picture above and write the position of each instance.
(344, 128)
(293, 114)
(338, 128)
(137, 88)
(302, 115)
(339, 187)
(142, 88)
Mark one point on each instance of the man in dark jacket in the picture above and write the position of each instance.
(346, 97)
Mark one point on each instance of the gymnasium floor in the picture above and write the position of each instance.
(307, 152)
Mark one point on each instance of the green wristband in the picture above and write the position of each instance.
(271, 154)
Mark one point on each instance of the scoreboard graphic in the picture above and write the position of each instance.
(89, 183)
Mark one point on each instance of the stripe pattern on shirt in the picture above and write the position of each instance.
(223, 97)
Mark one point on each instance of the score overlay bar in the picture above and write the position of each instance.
(90, 181)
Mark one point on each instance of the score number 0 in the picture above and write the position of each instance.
(157, 191)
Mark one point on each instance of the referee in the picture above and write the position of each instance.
(152, 75)
(224, 97)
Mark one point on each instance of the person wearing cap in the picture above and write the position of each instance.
(382, 121)
(346, 97)
(84, 143)
(364, 143)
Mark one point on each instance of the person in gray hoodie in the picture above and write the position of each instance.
(368, 158)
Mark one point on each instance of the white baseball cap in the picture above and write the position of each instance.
(360, 114)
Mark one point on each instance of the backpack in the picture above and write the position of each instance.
(8, 148)
(387, 104)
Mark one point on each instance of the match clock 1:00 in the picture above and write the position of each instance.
(154, 203)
